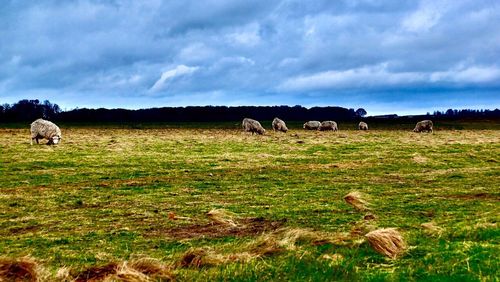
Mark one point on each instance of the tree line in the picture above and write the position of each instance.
(26, 110)
(29, 110)
(466, 113)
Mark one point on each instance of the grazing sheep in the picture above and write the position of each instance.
(425, 125)
(312, 125)
(44, 129)
(279, 125)
(363, 126)
(253, 126)
(328, 125)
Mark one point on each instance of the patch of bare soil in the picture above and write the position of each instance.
(243, 227)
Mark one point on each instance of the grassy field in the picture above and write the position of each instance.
(106, 196)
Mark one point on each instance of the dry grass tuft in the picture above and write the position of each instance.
(357, 200)
(241, 257)
(127, 275)
(144, 269)
(97, 273)
(431, 228)
(200, 258)
(20, 269)
(288, 239)
(334, 259)
(266, 245)
(387, 241)
(63, 275)
(222, 217)
(291, 237)
(204, 257)
(151, 267)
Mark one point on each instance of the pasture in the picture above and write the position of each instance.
(109, 195)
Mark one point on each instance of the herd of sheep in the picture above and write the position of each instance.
(44, 129)
(251, 125)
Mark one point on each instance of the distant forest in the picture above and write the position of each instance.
(29, 110)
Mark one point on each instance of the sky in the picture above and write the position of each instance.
(404, 57)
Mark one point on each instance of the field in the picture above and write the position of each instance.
(221, 204)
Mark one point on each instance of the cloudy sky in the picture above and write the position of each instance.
(385, 56)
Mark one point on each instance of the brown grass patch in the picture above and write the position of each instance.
(143, 269)
(387, 241)
(20, 269)
(224, 224)
(222, 217)
(151, 267)
(23, 230)
(265, 245)
(431, 228)
(289, 239)
(273, 243)
(96, 273)
(245, 227)
(206, 257)
(200, 257)
(357, 200)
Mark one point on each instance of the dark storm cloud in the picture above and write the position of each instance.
(136, 54)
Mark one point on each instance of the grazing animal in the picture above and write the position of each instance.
(279, 125)
(328, 125)
(253, 126)
(312, 125)
(425, 125)
(44, 129)
(363, 126)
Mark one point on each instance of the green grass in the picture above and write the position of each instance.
(105, 195)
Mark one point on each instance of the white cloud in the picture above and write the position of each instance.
(367, 76)
(196, 53)
(473, 74)
(167, 76)
(427, 16)
(381, 76)
(248, 36)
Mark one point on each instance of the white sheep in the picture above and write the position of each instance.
(425, 125)
(44, 129)
(253, 126)
(328, 125)
(363, 125)
(312, 125)
(279, 125)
